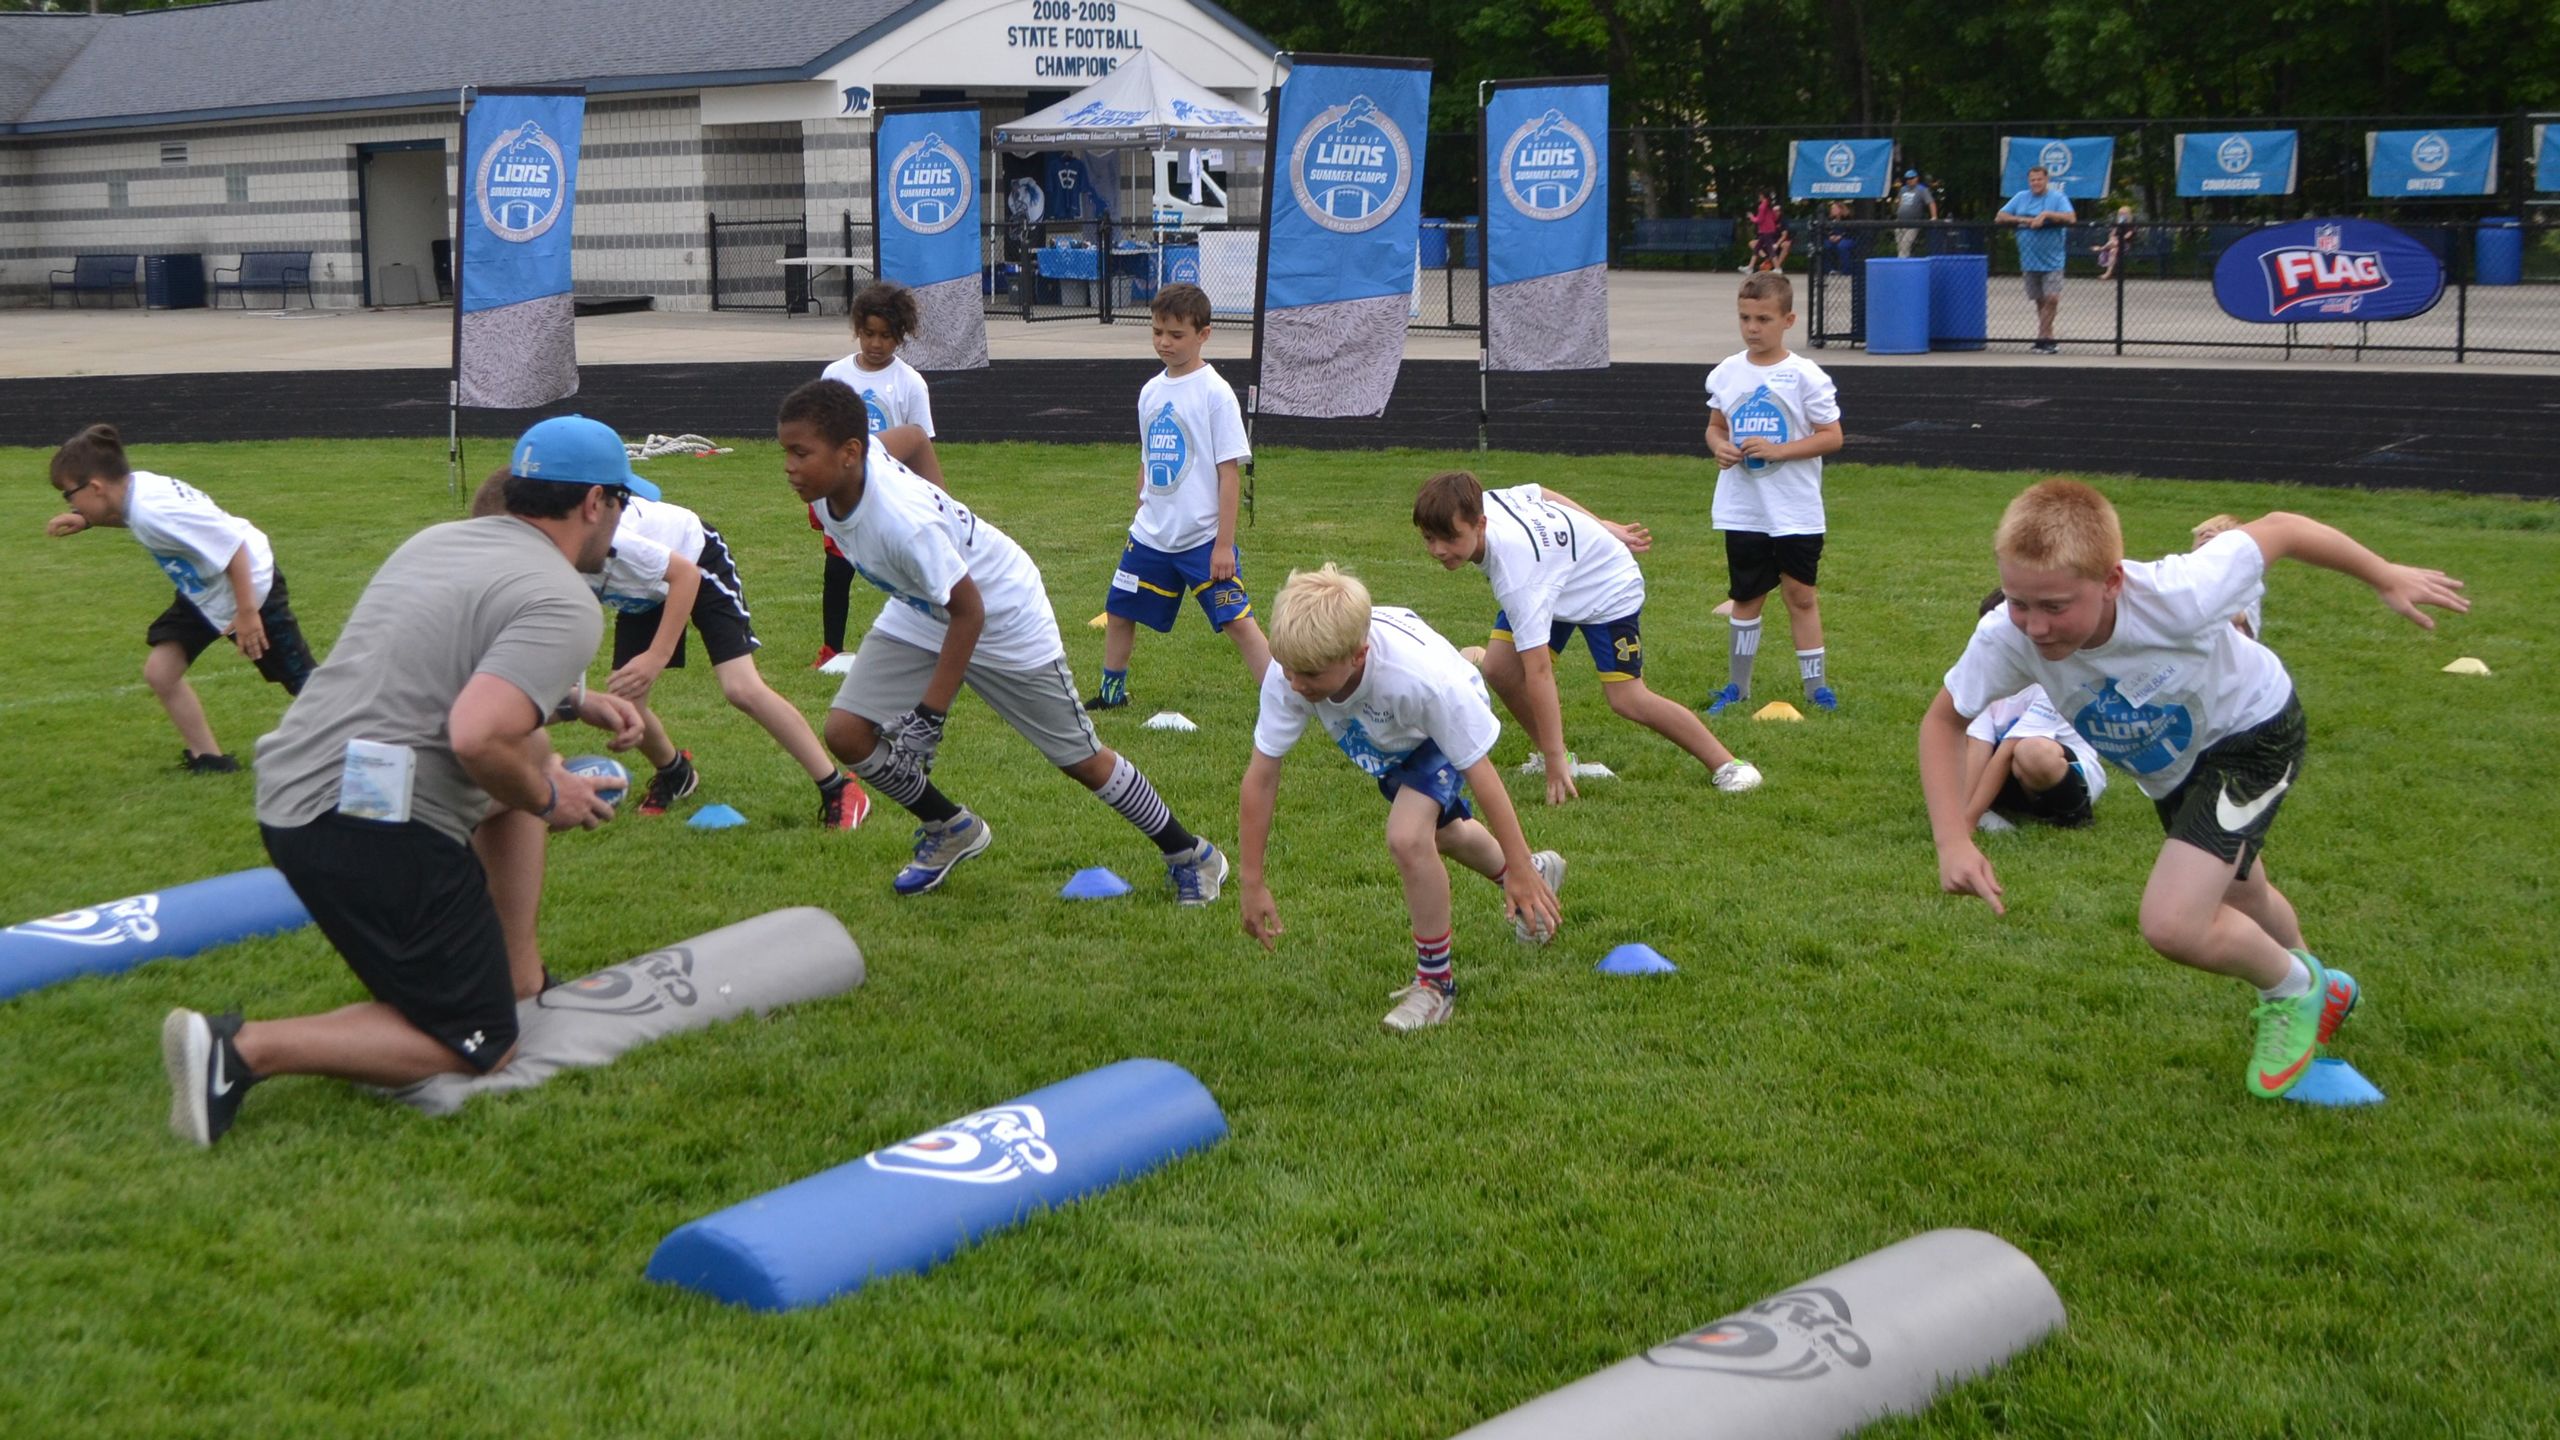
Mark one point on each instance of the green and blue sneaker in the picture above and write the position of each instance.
(2288, 1037)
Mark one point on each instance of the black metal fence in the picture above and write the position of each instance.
(748, 270)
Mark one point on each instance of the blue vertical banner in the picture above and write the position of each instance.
(515, 339)
(2546, 158)
(2431, 162)
(1342, 233)
(2238, 162)
(1839, 169)
(926, 172)
(1546, 224)
(2074, 169)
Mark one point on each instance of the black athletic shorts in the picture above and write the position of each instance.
(719, 614)
(1755, 561)
(2066, 804)
(409, 911)
(2227, 802)
(288, 659)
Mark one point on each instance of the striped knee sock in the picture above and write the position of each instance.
(1128, 792)
(1431, 960)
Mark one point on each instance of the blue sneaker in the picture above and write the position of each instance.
(1823, 699)
(2337, 1001)
(1729, 695)
(938, 848)
(1197, 875)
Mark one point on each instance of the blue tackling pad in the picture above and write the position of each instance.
(907, 1207)
(2334, 1082)
(163, 925)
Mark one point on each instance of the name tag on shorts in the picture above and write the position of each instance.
(1123, 580)
(376, 780)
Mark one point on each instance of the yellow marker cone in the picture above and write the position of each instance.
(2466, 666)
(1100, 621)
(1777, 710)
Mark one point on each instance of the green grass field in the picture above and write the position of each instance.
(1401, 1236)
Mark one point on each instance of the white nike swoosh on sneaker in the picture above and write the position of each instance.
(2236, 818)
(221, 1085)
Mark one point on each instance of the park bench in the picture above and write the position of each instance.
(108, 275)
(1692, 236)
(277, 270)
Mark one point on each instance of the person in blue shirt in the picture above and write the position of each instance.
(2043, 219)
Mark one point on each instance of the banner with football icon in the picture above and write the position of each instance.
(2238, 162)
(2431, 162)
(1839, 169)
(924, 186)
(2318, 271)
(1545, 178)
(514, 323)
(1342, 233)
(2074, 169)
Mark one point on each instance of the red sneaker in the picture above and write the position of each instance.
(825, 654)
(845, 809)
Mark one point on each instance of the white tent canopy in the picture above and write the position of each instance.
(1143, 102)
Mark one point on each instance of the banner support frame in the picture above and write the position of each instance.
(453, 378)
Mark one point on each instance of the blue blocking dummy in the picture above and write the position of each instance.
(910, 1206)
(163, 925)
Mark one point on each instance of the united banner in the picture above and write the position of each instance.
(2326, 270)
(2546, 158)
(1546, 224)
(515, 336)
(2238, 162)
(1342, 233)
(2431, 162)
(924, 187)
(2074, 169)
(1839, 169)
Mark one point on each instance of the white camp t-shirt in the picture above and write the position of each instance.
(1415, 688)
(2172, 679)
(192, 540)
(2028, 715)
(1782, 402)
(634, 578)
(895, 395)
(1187, 428)
(1552, 564)
(912, 540)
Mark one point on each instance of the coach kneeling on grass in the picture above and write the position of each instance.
(408, 792)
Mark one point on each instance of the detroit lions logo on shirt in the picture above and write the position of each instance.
(1168, 450)
(180, 573)
(2141, 738)
(921, 607)
(1364, 752)
(879, 417)
(1760, 416)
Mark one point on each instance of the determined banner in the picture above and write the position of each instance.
(1546, 219)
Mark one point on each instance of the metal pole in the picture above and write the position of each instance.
(2121, 260)
(711, 247)
(1484, 266)
(453, 385)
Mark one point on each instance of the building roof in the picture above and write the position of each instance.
(289, 57)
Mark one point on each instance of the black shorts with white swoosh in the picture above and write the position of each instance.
(2238, 784)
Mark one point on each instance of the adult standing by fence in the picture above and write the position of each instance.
(2043, 218)
(1916, 203)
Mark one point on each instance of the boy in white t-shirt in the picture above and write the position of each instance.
(1557, 568)
(1411, 712)
(966, 606)
(223, 567)
(1183, 542)
(883, 316)
(1771, 417)
(2141, 657)
(2023, 761)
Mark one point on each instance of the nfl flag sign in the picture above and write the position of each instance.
(2327, 270)
(925, 197)
(1342, 233)
(1546, 209)
(515, 325)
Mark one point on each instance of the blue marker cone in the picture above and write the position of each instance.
(2334, 1082)
(1095, 884)
(716, 817)
(1635, 960)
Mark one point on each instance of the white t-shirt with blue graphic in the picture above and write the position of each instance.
(634, 578)
(916, 544)
(1415, 688)
(1187, 428)
(2174, 677)
(2028, 715)
(1782, 402)
(192, 540)
(895, 395)
(1552, 564)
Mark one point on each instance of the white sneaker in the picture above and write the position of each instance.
(1733, 777)
(1550, 868)
(1993, 823)
(1418, 1005)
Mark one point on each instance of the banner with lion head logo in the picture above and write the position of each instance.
(926, 173)
(1546, 224)
(515, 322)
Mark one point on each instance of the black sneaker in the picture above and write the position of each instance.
(671, 784)
(207, 1077)
(195, 764)
(1106, 701)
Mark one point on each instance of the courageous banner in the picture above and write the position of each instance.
(515, 325)
(1840, 169)
(925, 183)
(2077, 169)
(2238, 162)
(1342, 233)
(2431, 162)
(2326, 270)
(1546, 219)
(2546, 158)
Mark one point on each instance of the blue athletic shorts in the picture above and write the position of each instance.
(1617, 646)
(1430, 772)
(1150, 584)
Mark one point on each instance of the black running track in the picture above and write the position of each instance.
(2468, 430)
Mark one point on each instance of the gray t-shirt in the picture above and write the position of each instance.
(491, 596)
(1914, 204)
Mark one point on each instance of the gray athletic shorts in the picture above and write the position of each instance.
(888, 678)
(2044, 284)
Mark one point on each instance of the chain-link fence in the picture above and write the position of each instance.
(746, 255)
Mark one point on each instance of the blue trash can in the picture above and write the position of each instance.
(1435, 244)
(1959, 301)
(1898, 306)
(2497, 251)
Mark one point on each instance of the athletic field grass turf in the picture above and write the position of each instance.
(1401, 1236)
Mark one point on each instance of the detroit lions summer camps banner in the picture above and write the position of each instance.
(2431, 162)
(925, 201)
(1839, 169)
(1341, 234)
(2238, 162)
(2326, 270)
(515, 340)
(2075, 169)
(1546, 224)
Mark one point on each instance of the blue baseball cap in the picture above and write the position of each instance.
(575, 450)
(1910, 174)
